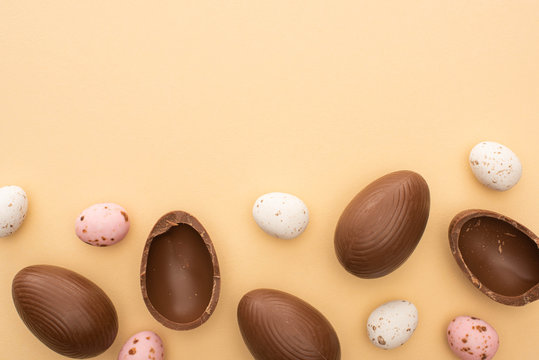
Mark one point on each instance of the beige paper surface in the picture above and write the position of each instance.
(203, 106)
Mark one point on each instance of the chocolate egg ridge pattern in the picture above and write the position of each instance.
(278, 325)
(162, 226)
(66, 311)
(454, 234)
(382, 225)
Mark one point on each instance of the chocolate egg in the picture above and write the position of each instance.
(180, 278)
(498, 255)
(382, 225)
(66, 311)
(278, 326)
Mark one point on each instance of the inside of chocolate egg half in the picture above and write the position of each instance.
(501, 257)
(179, 274)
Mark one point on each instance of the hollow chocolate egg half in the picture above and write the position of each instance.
(179, 273)
(497, 254)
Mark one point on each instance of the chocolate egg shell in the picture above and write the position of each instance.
(66, 311)
(179, 273)
(498, 255)
(382, 225)
(278, 326)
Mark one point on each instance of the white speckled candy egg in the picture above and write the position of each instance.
(495, 165)
(392, 324)
(472, 338)
(102, 224)
(281, 215)
(145, 345)
(13, 207)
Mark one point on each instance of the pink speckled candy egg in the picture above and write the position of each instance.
(102, 224)
(145, 345)
(471, 338)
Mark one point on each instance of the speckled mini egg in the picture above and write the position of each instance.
(471, 338)
(13, 207)
(392, 324)
(145, 345)
(281, 215)
(495, 165)
(102, 224)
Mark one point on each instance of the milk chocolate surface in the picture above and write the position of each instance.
(66, 311)
(179, 273)
(500, 256)
(279, 326)
(382, 225)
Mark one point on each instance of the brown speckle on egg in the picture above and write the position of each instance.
(132, 351)
(124, 214)
(135, 341)
(381, 340)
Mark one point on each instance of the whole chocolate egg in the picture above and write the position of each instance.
(382, 225)
(278, 326)
(66, 311)
(180, 277)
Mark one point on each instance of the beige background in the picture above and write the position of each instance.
(203, 106)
